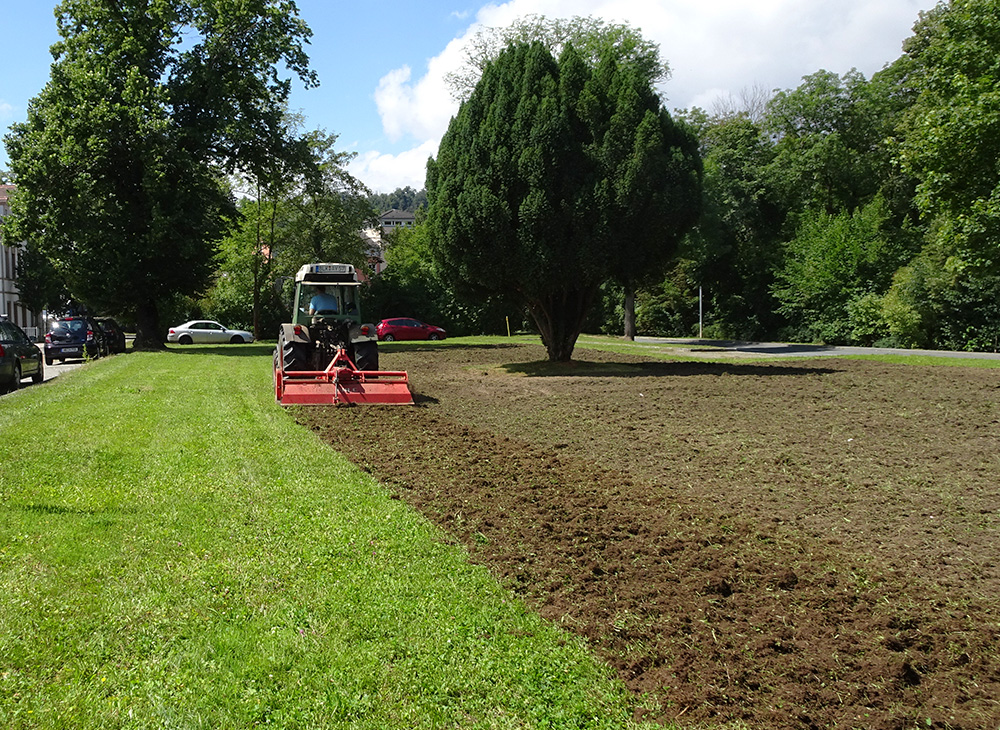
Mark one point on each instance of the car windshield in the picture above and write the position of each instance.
(72, 325)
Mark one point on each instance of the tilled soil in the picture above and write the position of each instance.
(807, 544)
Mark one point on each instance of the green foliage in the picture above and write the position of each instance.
(121, 163)
(670, 308)
(737, 246)
(940, 301)
(411, 286)
(595, 39)
(904, 309)
(953, 130)
(405, 199)
(311, 214)
(542, 179)
(832, 261)
(326, 210)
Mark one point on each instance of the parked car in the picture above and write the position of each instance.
(205, 331)
(114, 335)
(402, 328)
(19, 357)
(74, 337)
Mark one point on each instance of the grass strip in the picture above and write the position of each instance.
(176, 552)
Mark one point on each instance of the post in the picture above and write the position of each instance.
(700, 313)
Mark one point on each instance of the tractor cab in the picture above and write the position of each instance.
(326, 291)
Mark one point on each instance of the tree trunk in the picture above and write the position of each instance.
(559, 317)
(629, 307)
(148, 335)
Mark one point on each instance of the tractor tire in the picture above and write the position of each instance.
(366, 355)
(294, 355)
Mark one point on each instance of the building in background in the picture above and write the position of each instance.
(393, 219)
(10, 302)
(375, 241)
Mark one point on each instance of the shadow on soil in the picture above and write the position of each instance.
(585, 368)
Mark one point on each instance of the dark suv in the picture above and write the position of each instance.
(113, 334)
(19, 357)
(74, 337)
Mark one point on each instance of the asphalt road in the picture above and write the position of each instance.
(57, 368)
(784, 349)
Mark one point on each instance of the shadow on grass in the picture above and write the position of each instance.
(56, 509)
(257, 349)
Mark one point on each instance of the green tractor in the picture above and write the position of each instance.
(327, 354)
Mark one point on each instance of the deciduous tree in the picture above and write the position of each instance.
(121, 165)
(952, 138)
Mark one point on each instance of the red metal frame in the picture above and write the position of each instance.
(341, 382)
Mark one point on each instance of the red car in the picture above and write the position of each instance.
(402, 328)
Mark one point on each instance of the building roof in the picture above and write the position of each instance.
(396, 215)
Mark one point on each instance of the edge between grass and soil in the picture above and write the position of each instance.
(175, 550)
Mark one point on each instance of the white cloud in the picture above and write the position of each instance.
(6, 111)
(422, 109)
(385, 172)
(716, 49)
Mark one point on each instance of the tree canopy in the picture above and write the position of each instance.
(546, 177)
(122, 164)
(952, 135)
(593, 38)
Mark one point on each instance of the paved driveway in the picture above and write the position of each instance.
(785, 349)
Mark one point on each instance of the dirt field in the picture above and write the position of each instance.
(807, 544)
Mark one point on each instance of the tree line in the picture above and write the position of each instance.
(847, 210)
(163, 177)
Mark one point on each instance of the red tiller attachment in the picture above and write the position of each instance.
(341, 382)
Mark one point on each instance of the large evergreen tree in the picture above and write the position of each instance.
(536, 188)
(120, 165)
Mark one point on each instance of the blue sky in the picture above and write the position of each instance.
(381, 66)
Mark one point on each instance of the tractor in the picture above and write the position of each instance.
(327, 355)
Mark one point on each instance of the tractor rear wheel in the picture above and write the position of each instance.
(366, 355)
(294, 355)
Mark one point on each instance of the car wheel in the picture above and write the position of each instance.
(16, 382)
(48, 360)
(236, 340)
(184, 340)
(389, 338)
(433, 336)
(39, 374)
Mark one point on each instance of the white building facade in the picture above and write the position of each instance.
(10, 302)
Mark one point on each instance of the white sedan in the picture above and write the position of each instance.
(202, 331)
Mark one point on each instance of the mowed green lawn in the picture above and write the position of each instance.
(176, 552)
